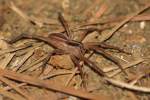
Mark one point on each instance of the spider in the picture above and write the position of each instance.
(64, 44)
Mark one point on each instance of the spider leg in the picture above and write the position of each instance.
(65, 25)
(108, 56)
(107, 46)
(77, 63)
(94, 67)
(24, 35)
(52, 40)
(16, 38)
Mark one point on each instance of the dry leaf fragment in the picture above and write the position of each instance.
(6, 60)
(23, 60)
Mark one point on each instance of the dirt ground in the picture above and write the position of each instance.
(132, 37)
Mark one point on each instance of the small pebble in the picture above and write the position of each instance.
(142, 25)
(130, 32)
(134, 66)
(126, 25)
(65, 4)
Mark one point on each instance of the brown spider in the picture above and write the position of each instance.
(63, 44)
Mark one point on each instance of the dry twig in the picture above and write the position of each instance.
(128, 86)
(125, 67)
(10, 95)
(71, 76)
(7, 60)
(51, 86)
(24, 16)
(9, 83)
(139, 77)
(57, 73)
(24, 59)
(32, 64)
(111, 33)
(7, 88)
(35, 45)
(142, 17)
(13, 49)
(133, 63)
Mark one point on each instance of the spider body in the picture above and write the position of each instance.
(75, 49)
(63, 44)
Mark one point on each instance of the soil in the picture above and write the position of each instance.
(132, 37)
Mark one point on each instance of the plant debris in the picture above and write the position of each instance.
(74, 49)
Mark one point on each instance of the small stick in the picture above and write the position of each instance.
(142, 17)
(32, 64)
(139, 77)
(130, 64)
(128, 86)
(109, 57)
(107, 21)
(76, 69)
(33, 68)
(45, 59)
(36, 45)
(71, 76)
(24, 59)
(7, 60)
(106, 24)
(111, 33)
(51, 86)
(53, 74)
(14, 49)
(57, 73)
(24, 16)
(99, 13)
(9, 83)
(7, 88)
(125, 67)
(44, 63)
(10, 95)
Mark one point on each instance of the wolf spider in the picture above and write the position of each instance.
(63, 44)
